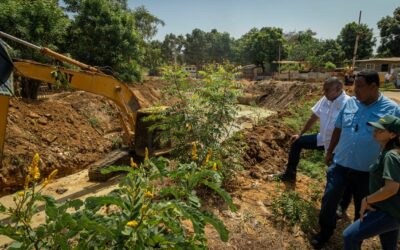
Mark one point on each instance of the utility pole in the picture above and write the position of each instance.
(356, 43)
(279, 62)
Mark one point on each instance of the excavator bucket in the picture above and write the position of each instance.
(145, 138)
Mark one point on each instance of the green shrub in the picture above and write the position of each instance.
(290, 208)
(135, 215)
(203, 113)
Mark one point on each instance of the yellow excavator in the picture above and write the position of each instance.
(86, 78)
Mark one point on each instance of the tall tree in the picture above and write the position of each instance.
(261, 46)
(41, 22)
(390, 34)
(146, 23)
(331, 51)
(196, 47)
(172, 48)
(366, 42)
(220, 46)
(302, 45)
(104, 33)
(153, 58)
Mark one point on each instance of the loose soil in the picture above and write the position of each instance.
(63, 129)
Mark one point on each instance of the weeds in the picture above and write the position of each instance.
(312, 164)
(116, 142)
(94, 122)
(289, 207)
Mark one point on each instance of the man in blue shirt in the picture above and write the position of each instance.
(355, 149)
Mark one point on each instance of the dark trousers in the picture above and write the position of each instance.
(303, 142)
(338, 179)
(375, 223)
(346, 199)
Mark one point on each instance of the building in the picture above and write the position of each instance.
(379, 64)
(191, 69)
(389, 65)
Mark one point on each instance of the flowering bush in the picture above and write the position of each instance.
(142, 212)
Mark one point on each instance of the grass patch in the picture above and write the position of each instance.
(312, 164)
(290, 208)
(388, 87)
(300, 114)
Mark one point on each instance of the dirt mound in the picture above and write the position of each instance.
(267, 146)
(278, 95)
(69, 130)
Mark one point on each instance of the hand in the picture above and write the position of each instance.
(364, 206)
(294, 137)
(328, 158)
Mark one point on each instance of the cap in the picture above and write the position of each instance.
(388, 122)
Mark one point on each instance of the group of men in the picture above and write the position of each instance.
(348, 143)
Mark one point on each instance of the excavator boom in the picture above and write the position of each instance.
(92, 80)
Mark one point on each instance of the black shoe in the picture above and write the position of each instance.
(320, 239)
(286, 177)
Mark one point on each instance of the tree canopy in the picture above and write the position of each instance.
(347, 38)
(41, 22)
(390, 34)
(261, 46)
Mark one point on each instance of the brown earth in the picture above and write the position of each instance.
(59, 128)
(70, 130)
(278, 95)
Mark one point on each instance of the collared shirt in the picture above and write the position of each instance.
(327, 111)
(386, 167)
(357, 149)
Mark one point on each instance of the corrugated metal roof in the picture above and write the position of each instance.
(387, 59)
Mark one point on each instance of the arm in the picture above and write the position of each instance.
(332, 145)
(391, 188)
(311, 121)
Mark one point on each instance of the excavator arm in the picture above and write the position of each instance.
(93, 82)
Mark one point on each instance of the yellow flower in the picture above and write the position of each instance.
(208, 156)
(27, 181)
(45, 183)
(49, 178)
(132, 223)
(148, 194)
(146, 154)
(52, 174)
(33, 169)
(36, 175)
(21, 193)
(133, 164)
(214, 167)
(143, 209)
(195, 157)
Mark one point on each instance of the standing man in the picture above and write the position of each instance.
(355, 150)
(326, 110)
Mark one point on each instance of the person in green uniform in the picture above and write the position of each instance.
(380, 210)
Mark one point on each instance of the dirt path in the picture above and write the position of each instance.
(394, 95)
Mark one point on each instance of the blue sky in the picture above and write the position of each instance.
(326, 17)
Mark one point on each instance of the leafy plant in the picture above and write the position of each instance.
(135, 215)
(203, 113)
(294, 210)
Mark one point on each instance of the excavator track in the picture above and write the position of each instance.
(113, 158)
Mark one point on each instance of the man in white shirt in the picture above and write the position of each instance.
(326, 110)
